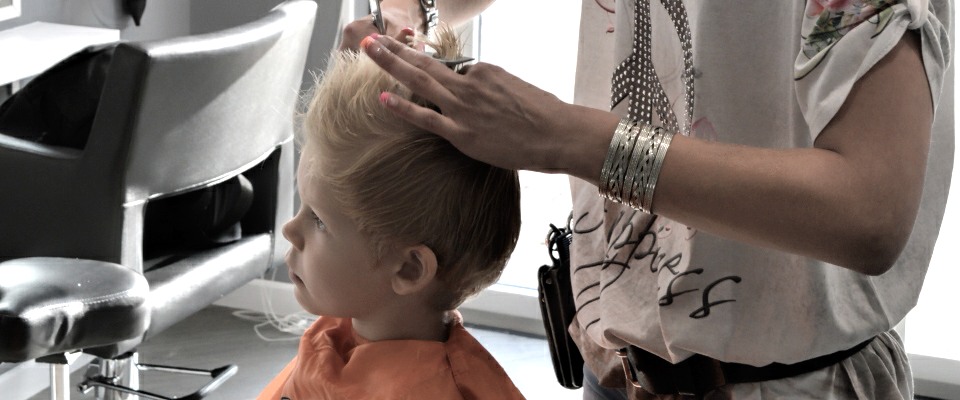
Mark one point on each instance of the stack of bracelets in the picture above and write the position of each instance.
(633, 163)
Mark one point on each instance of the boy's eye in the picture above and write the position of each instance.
(318, 222)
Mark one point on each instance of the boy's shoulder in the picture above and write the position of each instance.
(331, 355)
(474, 370)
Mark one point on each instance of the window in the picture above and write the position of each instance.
(505, 36)
(9, 9)
(932, 328)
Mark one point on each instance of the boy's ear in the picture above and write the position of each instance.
(416, 270)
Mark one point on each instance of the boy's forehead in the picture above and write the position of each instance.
(309, 177)
(309, 161)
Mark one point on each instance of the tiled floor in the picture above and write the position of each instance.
(215, 336)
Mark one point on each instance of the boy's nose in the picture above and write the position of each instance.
(290, 233)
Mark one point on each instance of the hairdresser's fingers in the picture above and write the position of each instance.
(405, 35)
(418, 58)
(422, 117)
(414, 69)
(355, 31)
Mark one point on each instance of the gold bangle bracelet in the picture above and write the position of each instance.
(625, 158)
(639, 167)
(667, 138)
(608, 174)
(630, 172)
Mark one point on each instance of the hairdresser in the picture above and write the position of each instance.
(757, 186)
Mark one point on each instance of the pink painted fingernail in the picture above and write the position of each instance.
(367, 41)
(408, 31)
(387, 99)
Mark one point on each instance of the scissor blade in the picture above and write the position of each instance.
(377, 17)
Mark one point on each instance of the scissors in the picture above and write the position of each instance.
(378, 17)
(381, 26)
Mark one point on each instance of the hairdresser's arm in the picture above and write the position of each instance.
(400, 14)
(850, 200)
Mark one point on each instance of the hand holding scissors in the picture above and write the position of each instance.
(384, 21)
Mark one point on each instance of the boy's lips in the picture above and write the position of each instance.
(294, 278)
(292, 275)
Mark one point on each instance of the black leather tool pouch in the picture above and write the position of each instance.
(558, 310)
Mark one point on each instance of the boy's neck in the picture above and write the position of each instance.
(399, 325)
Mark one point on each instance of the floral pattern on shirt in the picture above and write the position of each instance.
(837, 17)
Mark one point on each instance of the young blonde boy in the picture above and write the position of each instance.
(396, 229)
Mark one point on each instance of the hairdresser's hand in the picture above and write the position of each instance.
(495, 117)
(401, 21)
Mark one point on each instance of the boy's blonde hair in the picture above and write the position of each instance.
(403, 185)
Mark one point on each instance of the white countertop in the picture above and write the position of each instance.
(27, 50)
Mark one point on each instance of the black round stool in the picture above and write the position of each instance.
(53, 306)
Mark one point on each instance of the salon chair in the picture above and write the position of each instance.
(176, 115)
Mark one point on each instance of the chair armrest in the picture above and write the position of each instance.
(54, 202)
(11, 144)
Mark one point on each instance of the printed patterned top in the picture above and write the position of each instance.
(760, 73)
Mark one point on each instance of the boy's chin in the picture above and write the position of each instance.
(304, 300)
